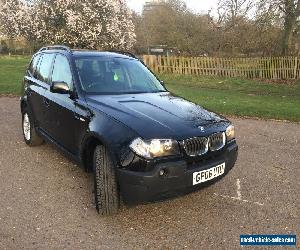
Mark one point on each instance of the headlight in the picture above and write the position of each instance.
(230, 133)
(154, 148)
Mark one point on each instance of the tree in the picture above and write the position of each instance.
(241, 27)
(104, 24)
(11, 14)
(269, 29)
(232, 25)
(289, 11)
(173, 25)
(232, 10)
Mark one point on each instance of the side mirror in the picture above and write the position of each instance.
(162, 82)
(60, 88)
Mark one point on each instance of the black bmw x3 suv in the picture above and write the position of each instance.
(112, 115)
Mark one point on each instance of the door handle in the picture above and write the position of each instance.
(29, 91)
(46, 101)
(78, 117)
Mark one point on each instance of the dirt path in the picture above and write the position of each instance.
(46, 202)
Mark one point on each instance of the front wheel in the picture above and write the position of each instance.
(31, 138)
(107, 196)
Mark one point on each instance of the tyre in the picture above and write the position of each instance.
(30, 136)
(107, 196)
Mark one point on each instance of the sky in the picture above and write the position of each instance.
(196, 5)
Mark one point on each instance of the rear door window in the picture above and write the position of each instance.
(45, 65)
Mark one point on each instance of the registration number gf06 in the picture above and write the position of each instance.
(208, 174)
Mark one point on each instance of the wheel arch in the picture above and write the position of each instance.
(23, 104)
(90, 142)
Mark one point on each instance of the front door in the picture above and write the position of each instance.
(65, 120)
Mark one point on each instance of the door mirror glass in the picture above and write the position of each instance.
(60, 88)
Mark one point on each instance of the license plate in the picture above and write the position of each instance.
(208, 174)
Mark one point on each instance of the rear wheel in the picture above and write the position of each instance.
(30, 136)
(107, 196)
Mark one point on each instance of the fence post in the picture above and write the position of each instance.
(295, 67)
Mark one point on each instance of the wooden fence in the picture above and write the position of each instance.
(265, 67)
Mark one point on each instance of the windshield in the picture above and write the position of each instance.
(102, 75)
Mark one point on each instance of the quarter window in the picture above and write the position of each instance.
(33, 65)
(62, 71)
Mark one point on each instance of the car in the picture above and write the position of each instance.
(111, 114)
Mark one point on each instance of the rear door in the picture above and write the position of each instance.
(37, 82)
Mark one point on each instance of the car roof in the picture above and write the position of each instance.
(91, 53)
(101, 53)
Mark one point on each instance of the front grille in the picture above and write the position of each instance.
(217, 141)
(195, 146)
(200, 145)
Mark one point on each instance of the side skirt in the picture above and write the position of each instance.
(66, 152)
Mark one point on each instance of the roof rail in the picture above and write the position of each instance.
(57, 47)
(126, 53)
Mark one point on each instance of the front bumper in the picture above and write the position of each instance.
(138, 187)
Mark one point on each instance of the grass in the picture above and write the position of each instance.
(229, 96)
(11, 73)
(239, 97)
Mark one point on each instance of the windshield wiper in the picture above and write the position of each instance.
(159, 91)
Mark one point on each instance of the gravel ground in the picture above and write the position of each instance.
(47, 203)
